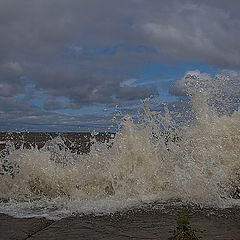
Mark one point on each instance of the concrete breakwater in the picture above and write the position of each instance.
(150, 223)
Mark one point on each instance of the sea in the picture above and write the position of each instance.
(163, 156)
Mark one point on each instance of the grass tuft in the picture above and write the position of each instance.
(184, 230)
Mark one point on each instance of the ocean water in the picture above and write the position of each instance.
(190, 157)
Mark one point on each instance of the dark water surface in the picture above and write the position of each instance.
(76, 141)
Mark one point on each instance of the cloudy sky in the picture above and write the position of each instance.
(66, 64)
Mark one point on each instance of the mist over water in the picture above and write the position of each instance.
(163, 156)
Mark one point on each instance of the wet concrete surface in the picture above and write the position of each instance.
(20, 228)
(137, 224)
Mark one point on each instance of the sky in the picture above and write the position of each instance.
(68, 65)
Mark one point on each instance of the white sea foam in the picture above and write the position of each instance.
(154, 159)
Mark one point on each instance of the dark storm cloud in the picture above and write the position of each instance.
(9, 79)
(203, 30)
(194, 30)
(84, 50)
(52, 104)
(132, 93)
(9, 104)
(18, 115)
